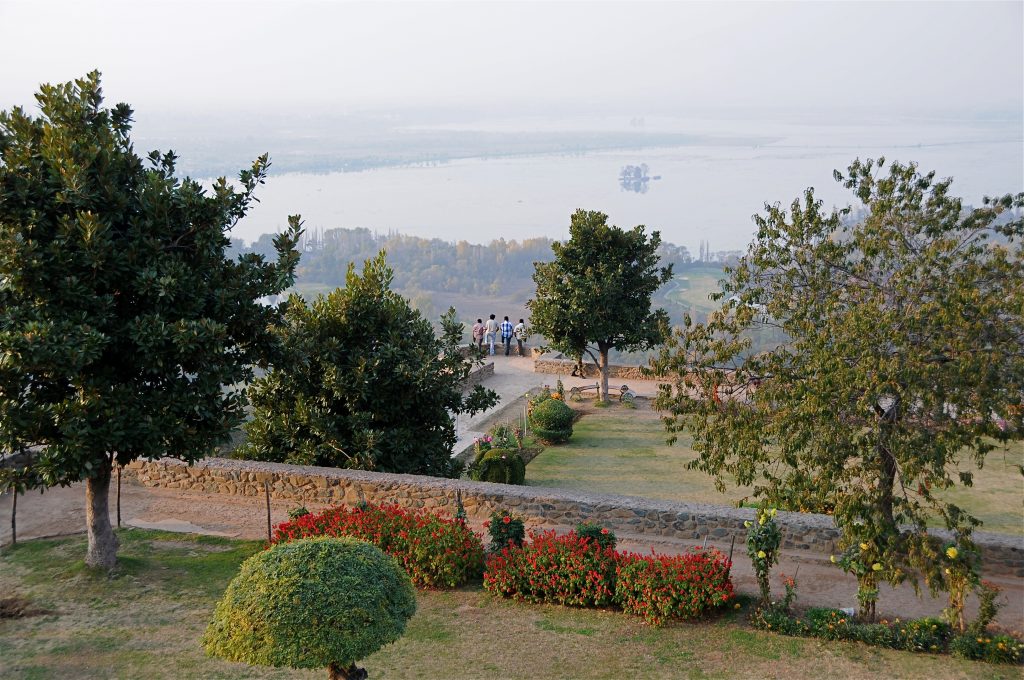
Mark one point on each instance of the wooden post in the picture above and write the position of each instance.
(266, 490)
(14, 512)
(118, 496)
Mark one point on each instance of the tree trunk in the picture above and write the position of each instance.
(103, 542)
(336, 672)
(604, 374)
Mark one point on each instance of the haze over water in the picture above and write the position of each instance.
(706, 191)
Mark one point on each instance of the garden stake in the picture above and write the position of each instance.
(266, 490)
(705, 541)
(118, 496)
(733, 545)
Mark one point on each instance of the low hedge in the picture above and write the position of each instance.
(436, 552)
(576, 570)
(927, 635)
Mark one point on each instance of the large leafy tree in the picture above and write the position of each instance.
(123, 328)
(596, 294)
(905, 360)
(362, 382)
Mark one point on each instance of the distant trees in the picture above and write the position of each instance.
(596, 294)
(124, 330)
(362, 382)
(905, 357)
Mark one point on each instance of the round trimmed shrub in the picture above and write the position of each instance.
(502, 466)
(312, 603)
(551, 421)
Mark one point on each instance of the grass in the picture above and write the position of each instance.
(623, 451)
(146, 621)
(692, 286)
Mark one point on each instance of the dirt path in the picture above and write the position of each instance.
(61, 511)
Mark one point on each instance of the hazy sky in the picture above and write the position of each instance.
(653, 57)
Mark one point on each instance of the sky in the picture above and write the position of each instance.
(666, 57)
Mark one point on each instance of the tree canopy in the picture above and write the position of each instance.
(362, 382)
(124, 331)
(596, 294)
(904, 359)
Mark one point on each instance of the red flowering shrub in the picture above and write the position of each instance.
(661, 587)
(437, 552)
(566, 569)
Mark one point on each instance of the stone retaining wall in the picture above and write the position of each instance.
(478, 375)
(547, 508)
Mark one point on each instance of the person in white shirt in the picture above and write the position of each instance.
(490, 332)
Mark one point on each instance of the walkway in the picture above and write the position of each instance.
(513, 378)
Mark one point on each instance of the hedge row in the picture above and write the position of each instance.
(927, 635)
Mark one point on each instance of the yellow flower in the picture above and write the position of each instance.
(737, 606)
(832, 558)
(876, 567)
(863, 546)
(947, 570)
(761, 554)
(773, 511)
(951, 552)
(747, 524)
(761, 519)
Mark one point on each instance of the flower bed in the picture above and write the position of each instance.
(576, 570)
(437, 552)
(662, 587)
(566, 569)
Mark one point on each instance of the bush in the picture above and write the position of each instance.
(498, 465)
(568, 570)
(322, 602)
(298, 512)
(991, 648)
(506, 529)
(551, 421)
(763, 540)
(435, 551)
(596, 533)
(929, 635)
(662, 587)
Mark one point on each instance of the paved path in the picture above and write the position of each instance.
(513, 378)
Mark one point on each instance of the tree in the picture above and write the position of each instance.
(123, 328)
(313, 603)
(596, 294)
(905, 356)
(362, 382)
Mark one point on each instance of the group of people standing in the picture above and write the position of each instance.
(489, 331)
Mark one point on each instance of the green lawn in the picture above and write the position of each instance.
(622, 451)
(147, 619)
(691, 287)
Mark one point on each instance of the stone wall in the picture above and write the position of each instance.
(559, 365)
(478, 375)
(548, 508)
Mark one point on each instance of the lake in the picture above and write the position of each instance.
(706, 191)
